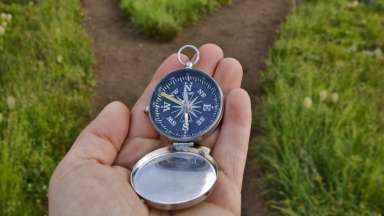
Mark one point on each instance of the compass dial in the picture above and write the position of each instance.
(186, 104)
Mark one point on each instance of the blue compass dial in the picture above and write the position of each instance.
(186, 104)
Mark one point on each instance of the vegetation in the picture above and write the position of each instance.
(323, 112)
(165, 19)
(45, 82)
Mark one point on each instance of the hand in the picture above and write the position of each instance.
(93, 177)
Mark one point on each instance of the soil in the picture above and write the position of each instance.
(126, 60)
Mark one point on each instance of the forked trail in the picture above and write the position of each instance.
(126, 60)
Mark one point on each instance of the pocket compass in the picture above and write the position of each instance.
(186, 105)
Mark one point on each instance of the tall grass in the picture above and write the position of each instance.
(323, 111)
(45, 82)
(164, 19)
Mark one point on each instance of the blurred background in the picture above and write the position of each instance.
(314, 70)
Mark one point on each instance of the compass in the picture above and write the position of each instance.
(185, 106)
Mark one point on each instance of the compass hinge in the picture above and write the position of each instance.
(182, 146)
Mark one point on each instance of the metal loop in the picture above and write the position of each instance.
(188, 64)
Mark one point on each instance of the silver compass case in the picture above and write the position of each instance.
(179, 175)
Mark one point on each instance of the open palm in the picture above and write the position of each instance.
(93, 178)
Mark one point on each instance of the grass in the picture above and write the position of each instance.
(164, 19)
(45, 82)
(322, 145)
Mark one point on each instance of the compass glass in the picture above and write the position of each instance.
(186, 104)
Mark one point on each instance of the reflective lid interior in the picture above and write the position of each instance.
(174, 177)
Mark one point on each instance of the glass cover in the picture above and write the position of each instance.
(185, 105)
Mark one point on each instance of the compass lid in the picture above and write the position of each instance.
(170, 178)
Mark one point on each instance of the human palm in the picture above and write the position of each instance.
(93, 177)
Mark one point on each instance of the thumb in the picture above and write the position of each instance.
(102, 138)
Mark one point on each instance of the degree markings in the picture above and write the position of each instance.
(205, 86)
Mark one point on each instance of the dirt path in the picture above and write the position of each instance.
(126, 60)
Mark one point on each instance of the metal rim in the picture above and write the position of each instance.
(197, 137)
(188, 64)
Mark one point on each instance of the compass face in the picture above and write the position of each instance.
(186, 104)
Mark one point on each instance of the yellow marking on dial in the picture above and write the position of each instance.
(171, 98)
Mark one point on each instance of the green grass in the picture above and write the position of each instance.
(45, 81)
(164, 19)
(322, 145)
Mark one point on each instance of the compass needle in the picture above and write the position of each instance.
(186, 121)
(171, 98)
